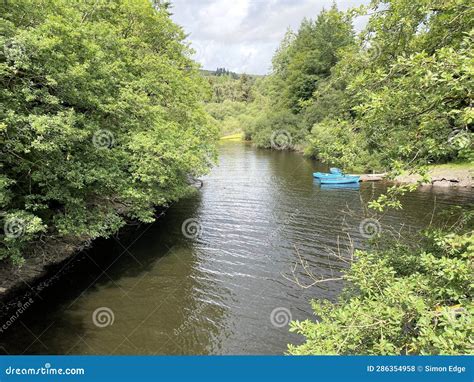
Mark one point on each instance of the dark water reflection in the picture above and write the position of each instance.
(214, 294)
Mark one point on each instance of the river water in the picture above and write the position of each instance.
(223, 282)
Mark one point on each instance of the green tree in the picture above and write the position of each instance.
(101, 117)
(406, 90)
(307, 58)
(301, 65)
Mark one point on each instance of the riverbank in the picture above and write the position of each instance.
(441, 175)
(44, 263)
(444, 175)
(16, 281)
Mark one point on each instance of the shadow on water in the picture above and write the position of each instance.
(217, 288)
(60, 321)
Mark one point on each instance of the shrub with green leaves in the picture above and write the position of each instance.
(400, 299)
(101, 116)
(336, 141)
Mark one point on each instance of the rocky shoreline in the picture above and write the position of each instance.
(443, 177)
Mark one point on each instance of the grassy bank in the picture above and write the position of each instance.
(233, 137)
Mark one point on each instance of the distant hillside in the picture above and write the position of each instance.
(225, 72)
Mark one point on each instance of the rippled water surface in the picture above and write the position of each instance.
(214, 293)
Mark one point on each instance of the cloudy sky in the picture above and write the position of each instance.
(242, 35)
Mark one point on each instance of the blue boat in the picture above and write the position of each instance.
(341, 179)
(320, 175)
(326, 178)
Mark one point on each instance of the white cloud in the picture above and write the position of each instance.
(222, 18)
(242, 35)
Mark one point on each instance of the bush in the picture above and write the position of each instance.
(278, 130)
(400, 300)
(336, 142)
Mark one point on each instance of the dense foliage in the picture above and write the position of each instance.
(301, 64)
(401, 300)
(400, 92)
(233, 103)
(101, 117)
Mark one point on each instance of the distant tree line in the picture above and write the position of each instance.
(225, 72)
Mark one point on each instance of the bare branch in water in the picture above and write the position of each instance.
(309, 273)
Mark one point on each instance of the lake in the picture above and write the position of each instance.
(216, 273)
